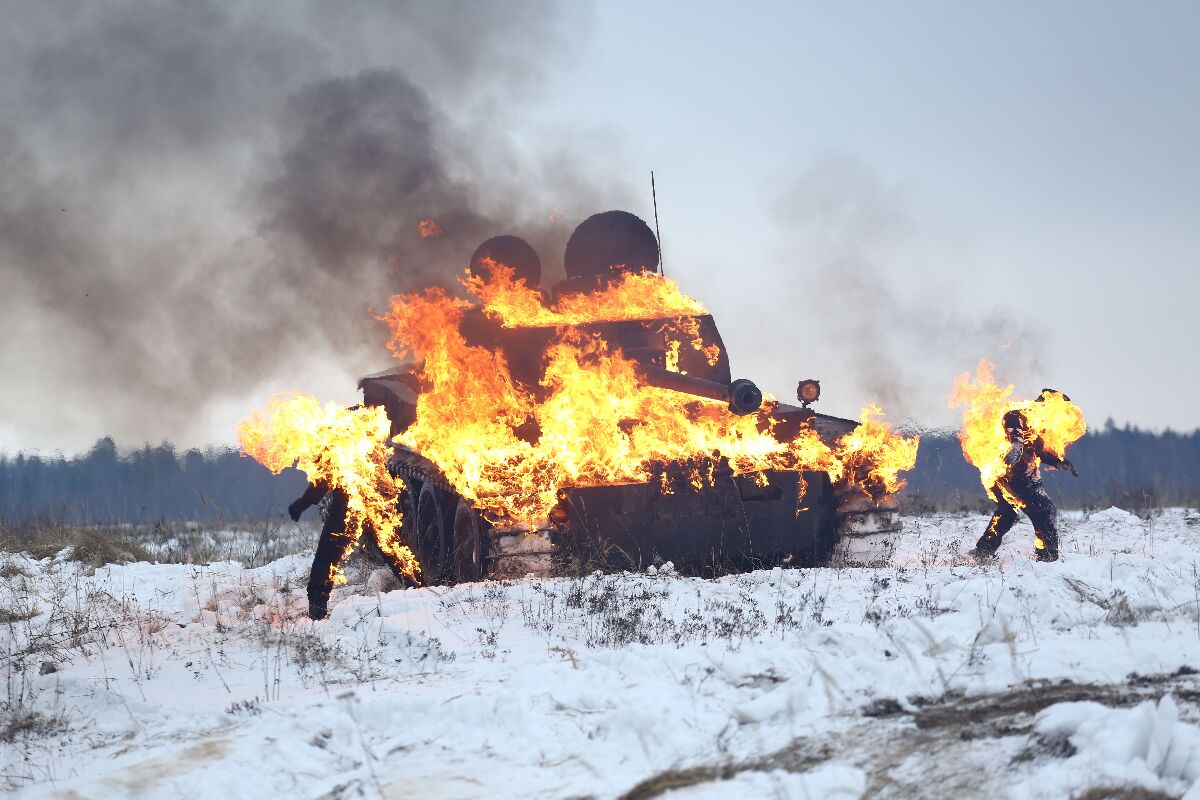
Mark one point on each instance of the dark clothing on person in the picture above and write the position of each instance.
(331, 549)
(331, 546)
(1022, 481)
(314, 494)
(1041, 512)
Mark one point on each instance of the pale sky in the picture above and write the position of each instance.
(872, 194)
(1044, 156)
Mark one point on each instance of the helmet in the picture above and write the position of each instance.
(1015, 422)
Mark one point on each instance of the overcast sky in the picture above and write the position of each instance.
(873, 194)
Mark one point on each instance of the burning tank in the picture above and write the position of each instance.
(597, 423)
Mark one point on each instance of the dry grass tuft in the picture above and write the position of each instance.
(10, 615)
(97, 548)
(1122, 793)
(252, 543)
(21, 723)
(92, 546)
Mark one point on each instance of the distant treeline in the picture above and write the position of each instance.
(149, 484)
(1125, 467)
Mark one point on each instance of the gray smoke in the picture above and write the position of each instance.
(906, 318)
(201, 197)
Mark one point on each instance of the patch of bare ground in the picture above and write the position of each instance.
(970, 735)
(990, 715)
(801, 755)
(1122, 793)
(944, 746)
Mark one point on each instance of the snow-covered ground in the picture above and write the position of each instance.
(251, 544)
(914, 674)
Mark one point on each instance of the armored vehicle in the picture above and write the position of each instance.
(731, 523)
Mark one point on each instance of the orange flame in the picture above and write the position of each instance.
(597, 422)
(428, 228)
(633, 295)
(345, 449)
(873, 456)
(1055, 419)
(687, 329)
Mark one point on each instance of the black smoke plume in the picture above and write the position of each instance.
(201, 199)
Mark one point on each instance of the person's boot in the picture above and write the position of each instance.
(982, 553)
(318, 602)
(1046, 555)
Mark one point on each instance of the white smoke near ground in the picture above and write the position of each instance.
(891, 296)
(199, 197)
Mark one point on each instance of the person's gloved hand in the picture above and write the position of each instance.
(295, 510)
(1068, 465)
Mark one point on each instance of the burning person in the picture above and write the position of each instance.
(344, 452)
(1020, 487)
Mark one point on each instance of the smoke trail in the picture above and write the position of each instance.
(904, 332)
(199, 196)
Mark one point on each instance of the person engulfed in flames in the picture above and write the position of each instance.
(344, 452)
(1020, 487)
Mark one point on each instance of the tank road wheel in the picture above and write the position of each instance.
(821, 552)
(407, 503)
(432, 534)
(470, 543)
(821, 501)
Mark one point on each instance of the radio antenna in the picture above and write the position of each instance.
(657, 232)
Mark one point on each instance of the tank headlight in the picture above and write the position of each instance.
(809, 391)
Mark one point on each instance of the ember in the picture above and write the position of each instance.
(428, 228)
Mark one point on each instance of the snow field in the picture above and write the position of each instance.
(153, 680)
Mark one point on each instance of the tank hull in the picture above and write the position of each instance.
(734, 525)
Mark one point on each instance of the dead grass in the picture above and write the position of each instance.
(252, 543)
(1122, 793)
(21, 723)
(801, 755)
(10, 615)
(92, 546)
(615, 611)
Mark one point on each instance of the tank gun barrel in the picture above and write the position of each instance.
(743, 396)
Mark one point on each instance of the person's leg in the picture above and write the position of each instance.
(1044, 516)
(331, 548)
(1003, 518)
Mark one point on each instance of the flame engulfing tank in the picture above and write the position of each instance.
(536, 455)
